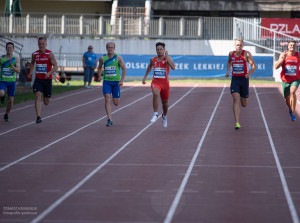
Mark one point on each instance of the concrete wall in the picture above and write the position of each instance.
(77, 47)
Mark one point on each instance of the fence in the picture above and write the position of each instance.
(269, 40)
(121, 26)
(255, 34)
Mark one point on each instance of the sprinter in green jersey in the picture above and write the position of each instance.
(10, 65)
(112, 79)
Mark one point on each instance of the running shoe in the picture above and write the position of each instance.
(290, 112)
(154, 117)
(2, 99)
(165, 122)
(38, 120)
(6, 118)
(293, 117)
(237, 126)
(109, 123)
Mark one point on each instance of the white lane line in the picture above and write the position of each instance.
(121, 191)
(70, 134)
(51, 191)
(287, 193)
(62, 97)
(154, 191)
(55, 99)
(176, 200)
(191, 191)
(258, 192)
(224, 191)
(153, 164)
(86, 191)
(93, 172)
(50, 116)
(16, 191)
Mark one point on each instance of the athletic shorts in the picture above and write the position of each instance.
(240, 85)
(44, 86)
(111, 87)
(11, 87)
(163, 87)
(286, 87)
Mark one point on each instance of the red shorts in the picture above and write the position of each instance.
(163, 87)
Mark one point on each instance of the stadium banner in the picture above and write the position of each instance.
(287, 26)
(195, 66)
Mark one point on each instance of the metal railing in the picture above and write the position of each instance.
(255, 34)
(3, 40)
(121, 26)
(267, 39)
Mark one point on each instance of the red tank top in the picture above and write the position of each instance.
(43, 64)
(290, 69)
(239, 65)
(161, 69)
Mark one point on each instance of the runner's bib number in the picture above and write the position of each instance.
(238, 68)
(290, 70)
(41, 68)
(160, 72)
(111, 71)
(8, 72)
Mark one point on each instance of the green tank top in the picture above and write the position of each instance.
(7, 74)
(111, 68)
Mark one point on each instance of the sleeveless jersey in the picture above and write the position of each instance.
(111, 68)
(161, 69)
(43, 64)
(290, 68)
(239, 65)
(7, 73)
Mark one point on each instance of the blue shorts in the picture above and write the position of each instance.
(11, 87)
(44, 86)
(111, 87)
(240, 85)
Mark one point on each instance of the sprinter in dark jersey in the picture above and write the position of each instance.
(45, 66)
(238, 60)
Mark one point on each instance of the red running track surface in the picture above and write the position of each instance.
(72, 168)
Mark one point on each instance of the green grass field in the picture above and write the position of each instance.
(25, 93)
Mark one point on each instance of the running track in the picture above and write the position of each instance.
(71, 168)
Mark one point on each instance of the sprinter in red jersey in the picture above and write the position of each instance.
(290, 76)
(45, 66)
(160, 83)
(238, 60)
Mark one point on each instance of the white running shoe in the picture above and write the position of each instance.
(154, 117)
(165, 122)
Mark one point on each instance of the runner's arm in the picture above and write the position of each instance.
(100, 67)
(95, 63)
(17, 68)
(252, 63)
(122, 65)
(169, 60)
(54, 64)
(31, 66)
(228, 64)
(281, 59)
(149, 68)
